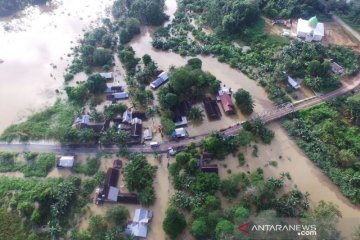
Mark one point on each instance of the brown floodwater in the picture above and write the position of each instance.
(305, 175)
(34, 48)
(34, 55)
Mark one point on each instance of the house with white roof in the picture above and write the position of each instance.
(139, 226)
(310, 30)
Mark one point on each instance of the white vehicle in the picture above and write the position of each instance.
(172, 151)
(148, 134)
(154, 144)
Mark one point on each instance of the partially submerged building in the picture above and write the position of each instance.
(310, 30)
(114, 89)
(148, 135)
(179, 113)
(138, 227)
(336, 68)
(107, 75)
(211, 108)
(161, 79)
(85, 121)
(292, 83)
(227, 104)
(65, 162)
(179, 133)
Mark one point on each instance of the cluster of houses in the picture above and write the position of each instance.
(110, 192)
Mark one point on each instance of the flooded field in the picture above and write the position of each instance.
(34, 48)
(304, 174)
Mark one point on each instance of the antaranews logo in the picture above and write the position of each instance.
(299, 229)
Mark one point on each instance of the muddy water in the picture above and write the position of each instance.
(304, 174)
(35, 53)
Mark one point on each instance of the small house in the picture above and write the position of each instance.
(140, 115)
(211, 108)
(117, 164)
(162, 78)
(336, 68)
(127, 117)
(182, 121)
(85, 121)
(295, 85)
(66, 162)
(128, 198)
(227, 104)
(120, 96)
(107, 75)
(179, 133)
(310, 30)
(148, 135)
(139, 225)
(112, 177)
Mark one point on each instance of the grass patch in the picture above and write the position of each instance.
(89, 168)
(36, 165)
(273, 163)
(51, 123)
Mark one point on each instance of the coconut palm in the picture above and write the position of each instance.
(196, 114)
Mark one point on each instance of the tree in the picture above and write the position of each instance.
(244, 137)
(199, 229)
(139, 173)
(97, 227)
(174, 222)
(133, 26)
(117, 215)
(96, 84)
(171, 100)
(182, 158)
(206, 183)
(224, 229)
(146, 59)
(102, 57)
(168, 125)
(196, 114)
(147, 196)
(125, 36)
(86, 135)
(244, 100)
(194, 63)
(78, 94)
(325, 216)
(353, 106)
(241, 213)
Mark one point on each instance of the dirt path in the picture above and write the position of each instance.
(347, 27)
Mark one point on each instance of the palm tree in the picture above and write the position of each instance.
(196, 114)
(150, 112)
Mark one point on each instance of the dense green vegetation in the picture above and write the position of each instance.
(149, 12)
(90, 167)
(325, 134)
(291, 8)
(245, 101)
(349, 12)
(269, 56)
(110, 226)
(53, 123)
(251, 194)
(9, 7)
(139, 176)
(57, 201)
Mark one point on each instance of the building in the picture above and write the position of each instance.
(148, 135)
(107, 75)
(114, 89)
(66, 162)
(211, 108)
(179, 133)
(295, 85)
(85, 121)
(336, 68)
(139, 225)
(120, 96)
(140, 115)
(131, 198)
(161, 79)
(127, 117)
(310, 30)
(208, 168)
(227, 104)
(179, 112)
(117, 164)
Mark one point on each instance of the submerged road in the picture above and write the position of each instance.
(267, 116)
